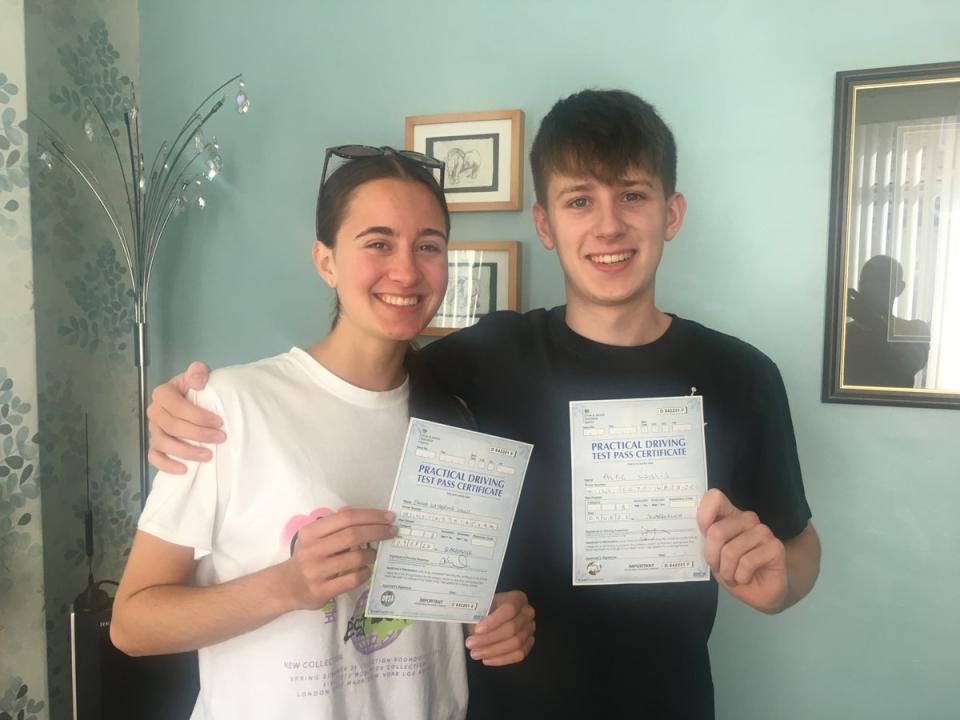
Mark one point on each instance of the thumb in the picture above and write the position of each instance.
(195, 377)
(714, 506)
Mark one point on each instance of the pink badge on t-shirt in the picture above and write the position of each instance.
(298, 522)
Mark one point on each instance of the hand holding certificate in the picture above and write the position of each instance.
(454, 499)
(505, 636)
(639, 472)
(747, 559)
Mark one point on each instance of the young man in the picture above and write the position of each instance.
(604, 168)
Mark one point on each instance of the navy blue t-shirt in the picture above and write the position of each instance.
(634, 649)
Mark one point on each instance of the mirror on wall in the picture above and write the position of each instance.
(893, 290)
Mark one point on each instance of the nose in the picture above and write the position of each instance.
(609, 222)
(404, 269)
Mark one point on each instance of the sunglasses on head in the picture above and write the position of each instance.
(357, 152)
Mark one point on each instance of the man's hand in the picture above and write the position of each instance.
(505, 636)
(332, 556)
(745, 556)
(174, 419)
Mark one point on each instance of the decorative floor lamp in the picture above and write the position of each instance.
(173, 185)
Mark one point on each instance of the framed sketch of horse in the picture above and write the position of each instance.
(483, 153)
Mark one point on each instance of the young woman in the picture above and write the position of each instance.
(260, 556)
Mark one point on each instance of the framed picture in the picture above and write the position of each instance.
(893, 286)
(483, 154)
(484, 277)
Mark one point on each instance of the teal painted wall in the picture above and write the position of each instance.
(748, 89)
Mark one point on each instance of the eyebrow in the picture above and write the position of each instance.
(432, 232)
(635, 182)
(388, 231)
(375, 230)
(591, 184)
(578, 187)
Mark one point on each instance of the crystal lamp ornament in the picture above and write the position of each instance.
(46, 160)
(242, 100)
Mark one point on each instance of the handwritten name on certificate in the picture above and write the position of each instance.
(639, 472)
(455, 496)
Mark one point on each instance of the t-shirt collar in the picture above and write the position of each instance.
(346, 391)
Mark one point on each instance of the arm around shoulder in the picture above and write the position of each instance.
(174, 420)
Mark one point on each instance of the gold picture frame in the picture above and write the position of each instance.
(483, 153)
(484, 278)
(893, 290)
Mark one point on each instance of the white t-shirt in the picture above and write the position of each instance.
(302, 443)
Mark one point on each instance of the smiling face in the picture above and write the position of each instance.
(609, 237)
(388, 264)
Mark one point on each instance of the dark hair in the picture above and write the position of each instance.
(603, 133)
(336, 192)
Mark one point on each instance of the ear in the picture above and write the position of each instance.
(542, 224)
(324, 262)
(676, 209)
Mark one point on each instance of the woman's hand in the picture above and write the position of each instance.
(332, 556)
(505, 636)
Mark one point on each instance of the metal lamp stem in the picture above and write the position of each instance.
(141, 359)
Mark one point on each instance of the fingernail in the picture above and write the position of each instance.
(389, 516)
(393, 530)
(470, 643)
(476, 655)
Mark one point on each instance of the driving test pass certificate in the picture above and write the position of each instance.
(454, 497)
(639, 472)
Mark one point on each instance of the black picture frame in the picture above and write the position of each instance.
(841, 384)
(457, 160)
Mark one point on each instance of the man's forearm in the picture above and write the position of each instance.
(175, 618)
(803, 564)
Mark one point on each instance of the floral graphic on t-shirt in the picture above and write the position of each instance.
(291, 531)
(371, 634)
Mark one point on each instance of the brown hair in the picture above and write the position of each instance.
(336, 192)
(602, 133)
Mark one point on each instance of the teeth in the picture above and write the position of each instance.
(610, 259)
(400, 300)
